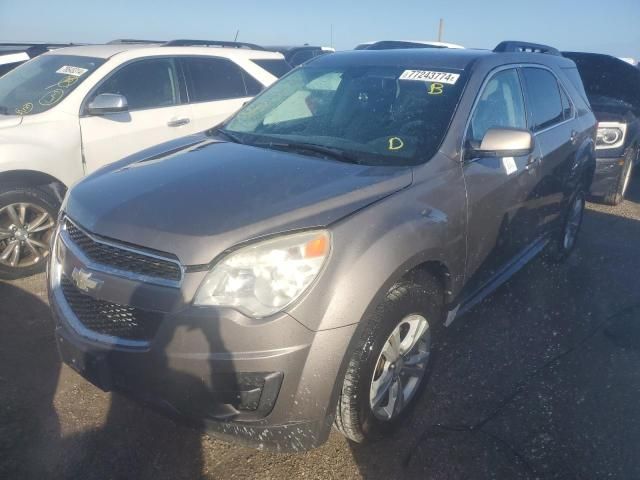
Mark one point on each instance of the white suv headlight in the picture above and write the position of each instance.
(610, 135)
(262, 279)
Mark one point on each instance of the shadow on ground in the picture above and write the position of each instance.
(540, 381)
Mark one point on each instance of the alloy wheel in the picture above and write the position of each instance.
(25, 234)
(573, 222)
(627, 178)
(400, 367)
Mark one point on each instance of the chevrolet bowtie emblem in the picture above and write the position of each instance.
(84, 282)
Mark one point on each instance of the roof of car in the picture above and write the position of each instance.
(458, 59)
(109, 50)
(431, 43)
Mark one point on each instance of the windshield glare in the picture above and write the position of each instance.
(43, 82)
(368, 111)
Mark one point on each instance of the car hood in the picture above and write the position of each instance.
(8, 121)
(605, 76)
(201, 199)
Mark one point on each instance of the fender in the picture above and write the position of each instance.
(375, 247)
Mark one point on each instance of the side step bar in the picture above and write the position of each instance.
(505, 274)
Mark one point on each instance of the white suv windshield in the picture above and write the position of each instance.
(43, 82)
(379, 115)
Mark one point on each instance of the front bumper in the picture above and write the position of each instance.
(607, 175)
(267, 383)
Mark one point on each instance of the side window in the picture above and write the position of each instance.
(213, 79)
(301, 56)
(150, 83)
(543, 95)
(500, 105)
(567, 108)
(308, 102)
(253, 86)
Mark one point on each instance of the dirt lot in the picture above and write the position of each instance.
(540, 381)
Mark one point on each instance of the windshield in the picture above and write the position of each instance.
(43, 82)
(380, 115)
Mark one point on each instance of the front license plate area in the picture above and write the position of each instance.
(89, 364)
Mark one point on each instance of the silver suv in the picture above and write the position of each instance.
(293, 269)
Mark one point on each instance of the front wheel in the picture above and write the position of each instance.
(616, 196)
(391, 361)
(27, 222)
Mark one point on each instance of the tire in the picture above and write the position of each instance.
(561, 247)
(40, 206)
(355, 417)
(616, 196)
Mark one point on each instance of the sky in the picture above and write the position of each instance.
(611, 26)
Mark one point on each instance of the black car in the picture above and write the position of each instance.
(613, 89)
(13, 54)
(297, 55)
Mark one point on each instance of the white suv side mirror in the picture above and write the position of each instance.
(107, 103)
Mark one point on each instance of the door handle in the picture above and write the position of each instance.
(574, 136)
(532, 162)
(178, 122)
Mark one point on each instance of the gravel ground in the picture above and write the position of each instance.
(542, 380)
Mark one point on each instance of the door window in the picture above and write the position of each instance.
(501, 105)
(567, 108)
(212, 79)
(543, 95)
(146, 84)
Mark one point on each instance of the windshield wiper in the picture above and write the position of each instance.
(228, 135)
(330, 152)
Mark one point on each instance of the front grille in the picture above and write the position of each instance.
(122, 259)
(109, 318)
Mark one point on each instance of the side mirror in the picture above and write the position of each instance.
(107, 103)
(505, 142)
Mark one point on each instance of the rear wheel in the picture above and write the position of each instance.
(27, 222)
(616, 196)
(565, 241)
(391, 361)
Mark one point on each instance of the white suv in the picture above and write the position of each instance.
(68, 112)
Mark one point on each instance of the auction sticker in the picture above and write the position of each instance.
(75, 71)
(509, 165)
(430, 76)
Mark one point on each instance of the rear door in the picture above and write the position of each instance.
(157, 112)
(499, 190)
(217, 88)
(550, 116)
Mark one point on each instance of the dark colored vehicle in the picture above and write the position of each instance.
(14, 54)
(403, 44)
(297, 55)
(613, 89)
(294, 268)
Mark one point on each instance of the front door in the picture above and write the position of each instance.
(499, 190)
(157, 112)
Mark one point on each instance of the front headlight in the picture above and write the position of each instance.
(610, 135)
(262, 279)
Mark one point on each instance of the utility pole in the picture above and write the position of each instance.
(440, 29)
(237, 33)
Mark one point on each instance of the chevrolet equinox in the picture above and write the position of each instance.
(294, 267)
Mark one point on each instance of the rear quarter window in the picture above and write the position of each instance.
(275, 66)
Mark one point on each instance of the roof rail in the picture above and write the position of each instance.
(525, 47)
(211, 43)
(133, 41)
